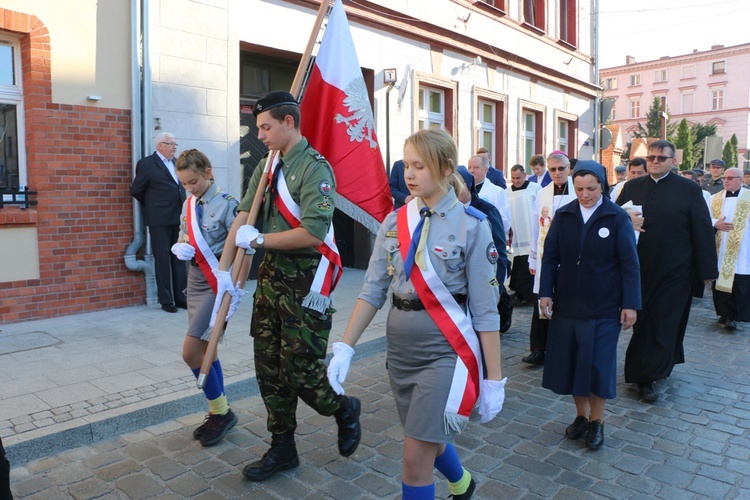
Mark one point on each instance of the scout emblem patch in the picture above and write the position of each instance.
(325, 188)
(492, 253)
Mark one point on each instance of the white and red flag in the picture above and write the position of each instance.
(338, 122)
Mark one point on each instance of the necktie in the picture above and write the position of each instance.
(418, 242)
(199, 211)
(274, 186)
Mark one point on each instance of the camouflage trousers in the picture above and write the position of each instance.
(290, 341)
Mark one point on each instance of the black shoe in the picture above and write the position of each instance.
(731, 325)
(648, 392)
(520, 302)
(350, 430)
(535, 358)
(170, 308)
(281, 456)
(595, 437)
(578, 428)
(201, 429)
(181, 305)
(468, 493)
(722, 321)
(506, 321)
(216, 427)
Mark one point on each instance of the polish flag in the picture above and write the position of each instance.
(337, 120)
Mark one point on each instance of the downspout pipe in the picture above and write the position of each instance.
(597, 100)
(140, 62)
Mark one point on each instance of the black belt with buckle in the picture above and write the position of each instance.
(416, 304)
(195, 264)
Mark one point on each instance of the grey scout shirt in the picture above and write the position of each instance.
(219, 212)
(461, 250)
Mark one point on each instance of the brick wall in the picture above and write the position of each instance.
(79, 162)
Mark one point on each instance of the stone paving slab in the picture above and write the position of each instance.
(692, 443)
(100, 366)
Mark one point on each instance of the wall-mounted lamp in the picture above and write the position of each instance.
(93, 98)
(389, 76)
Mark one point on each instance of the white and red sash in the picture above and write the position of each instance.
(452, 321)
(204, 256)
(329, 269)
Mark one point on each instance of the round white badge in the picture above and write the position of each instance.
(603, 232)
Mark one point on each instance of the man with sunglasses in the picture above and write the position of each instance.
(675, 247)
(730, 211)
(554, 195)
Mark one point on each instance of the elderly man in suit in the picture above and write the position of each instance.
(156, 186)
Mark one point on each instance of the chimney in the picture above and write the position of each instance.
(695, 51)
(716, 47)
(629, 60)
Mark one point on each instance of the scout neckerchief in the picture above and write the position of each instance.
(452, 321)
(728, 262)
(204, 257)
(329, 269)
(547, 199)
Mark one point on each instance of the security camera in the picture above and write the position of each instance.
(477, 60)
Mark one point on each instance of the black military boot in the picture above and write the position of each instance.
(350, 431)
(281, 456)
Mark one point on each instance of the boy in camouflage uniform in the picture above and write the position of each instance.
(290, 340)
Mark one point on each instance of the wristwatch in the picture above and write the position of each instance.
(259, 240)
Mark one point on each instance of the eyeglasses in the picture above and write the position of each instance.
(558, 169)
(662, 159)
(170, 144)
(731, 177)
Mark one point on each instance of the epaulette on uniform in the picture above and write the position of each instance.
(227, 196)
(474, 212)
(316, 155)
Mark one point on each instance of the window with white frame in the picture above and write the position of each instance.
(431, 108)
(687, 100)
(12, 157)
(687, 71)
(562, 135)
(635, 108)
(613, 114)
(718, 67)
(487, 127)
(634, 80)
(610, 83)
(660, 76)
(529, 135)
(717, 99)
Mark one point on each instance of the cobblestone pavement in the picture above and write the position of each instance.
(692, 443)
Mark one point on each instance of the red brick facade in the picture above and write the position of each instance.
(78, 159)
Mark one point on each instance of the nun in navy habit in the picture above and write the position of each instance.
(590, 289)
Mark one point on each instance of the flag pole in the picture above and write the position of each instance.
(242, 261)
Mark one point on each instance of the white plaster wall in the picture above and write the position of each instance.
(90, 48)
(378, 50)
(195, 75)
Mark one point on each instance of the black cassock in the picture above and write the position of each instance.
(676, 248)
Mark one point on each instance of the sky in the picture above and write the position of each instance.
(650, 29)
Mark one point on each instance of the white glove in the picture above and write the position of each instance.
(491, 397)
(183, 251)
(238, 294)
(339, 366)
(245, 235)
(224, 285)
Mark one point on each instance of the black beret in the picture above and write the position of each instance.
(273, 99)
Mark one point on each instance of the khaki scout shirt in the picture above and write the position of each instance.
(312, 185)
